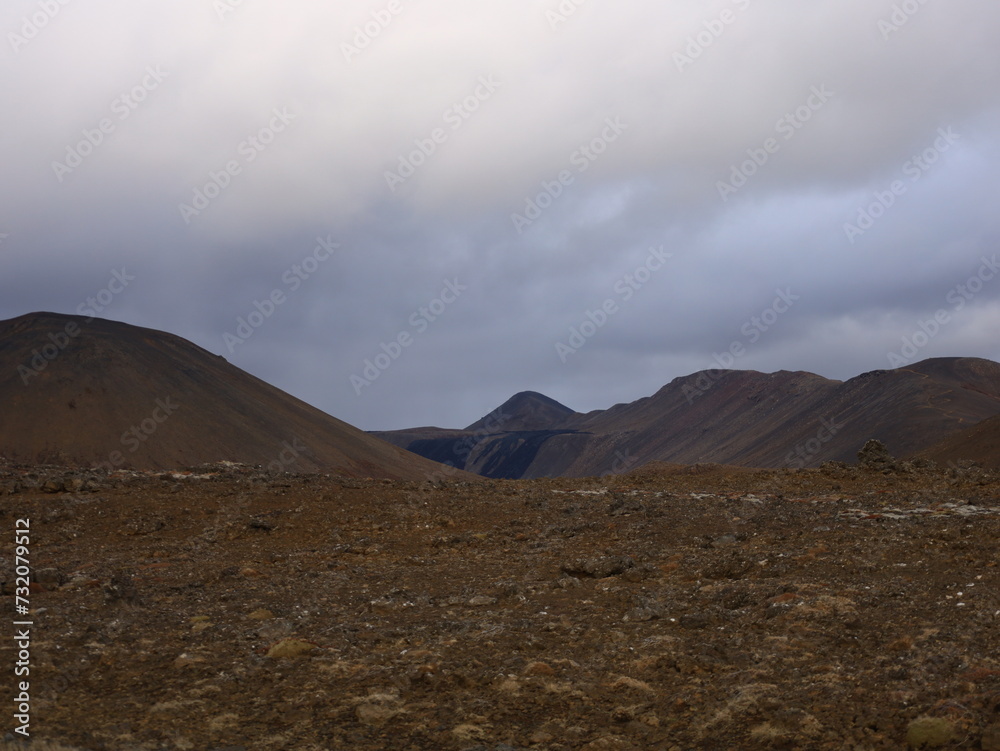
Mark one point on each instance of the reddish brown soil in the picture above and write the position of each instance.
(674, 608)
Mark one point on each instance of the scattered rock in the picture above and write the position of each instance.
(469, 732)
(378, 709)
(539, 668)
(623, 714)
(733, 565)
(608, 743)
(632, 684)
(289, 648)
(540, 737)
(50, 578)
(724, 542)
(875, 456)
(121, 589)
(599, 568)
(646, 609)
(622, 506)
(694, 621)
(929, 732)
(186, 660)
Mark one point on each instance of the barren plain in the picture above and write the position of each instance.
(226, 607)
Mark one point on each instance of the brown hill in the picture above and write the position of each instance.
(980, 444)
(784, 419)
(100, 393)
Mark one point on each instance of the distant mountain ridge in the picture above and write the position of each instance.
(92, 392)
(783, 419)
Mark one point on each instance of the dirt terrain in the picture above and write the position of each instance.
(228, 608)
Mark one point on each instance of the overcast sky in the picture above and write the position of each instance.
(467, 183)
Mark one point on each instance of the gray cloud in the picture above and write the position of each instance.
(497, 107)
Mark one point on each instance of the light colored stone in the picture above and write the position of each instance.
(375, 714)
(929, 732)
(288, 648)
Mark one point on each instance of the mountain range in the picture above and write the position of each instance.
(934, 409)
(83, 391)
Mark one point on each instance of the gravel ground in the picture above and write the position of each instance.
(668, 609)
